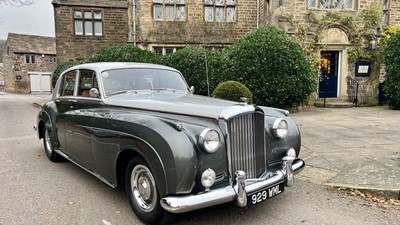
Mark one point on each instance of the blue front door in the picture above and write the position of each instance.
(328, 80)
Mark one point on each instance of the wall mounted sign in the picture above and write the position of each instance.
(363, 68)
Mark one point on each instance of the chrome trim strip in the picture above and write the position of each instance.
(182, 204)
(236, 110)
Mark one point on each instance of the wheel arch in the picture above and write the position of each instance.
(150, 157)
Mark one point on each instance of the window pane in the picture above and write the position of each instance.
(158, 50)
(98, 28)
(157, 1)
(208, 2)
(219, 14)
(324, 4)
(312, 3)
(78, 27)
(87, 15)
(208, 13)
(169, 12)
(27, 59)
(169, 51)
(180, 13)
(77, 14)
(88, 28)
(97, 15)
(230, 14)
(348, 4)
(180, 1)
(33, 59)
(336, 4)
(230, 2)
(220, 2)
(157, 12)
(169, 1)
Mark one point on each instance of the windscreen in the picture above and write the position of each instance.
(136, 79)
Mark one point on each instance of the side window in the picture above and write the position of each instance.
(68, 85)
(87, 81)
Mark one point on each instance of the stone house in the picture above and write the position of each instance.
(160, 26)
(164, 26)
(340, 74)
(28, 61)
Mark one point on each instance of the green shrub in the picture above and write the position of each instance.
(273, 66)
(125, 53)
(192, 63)
(391, 88)
(232, 90)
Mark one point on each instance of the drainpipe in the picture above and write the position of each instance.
(134, 34)
(258, 12)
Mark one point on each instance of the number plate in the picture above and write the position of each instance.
(264, 194)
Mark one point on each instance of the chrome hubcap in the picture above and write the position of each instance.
(47, 141)
(143, 188)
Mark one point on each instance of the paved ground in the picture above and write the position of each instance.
(354, 147)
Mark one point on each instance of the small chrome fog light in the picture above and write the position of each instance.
(208, 178)
(291, 152)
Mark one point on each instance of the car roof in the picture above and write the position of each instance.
(102, 66)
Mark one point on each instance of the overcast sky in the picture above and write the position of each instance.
(36, 19)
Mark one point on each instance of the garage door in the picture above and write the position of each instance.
(40, 82)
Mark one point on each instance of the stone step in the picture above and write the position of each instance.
(333, 104)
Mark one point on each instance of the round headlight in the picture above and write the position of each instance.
(209, 139)
(280, 128)
(208, 178)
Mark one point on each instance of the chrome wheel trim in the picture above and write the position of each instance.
(143, 187)
(47, 142)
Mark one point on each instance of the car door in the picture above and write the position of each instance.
(63, 105)
(79, 120)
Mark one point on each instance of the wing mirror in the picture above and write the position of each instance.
(192, 89)
(94, 93)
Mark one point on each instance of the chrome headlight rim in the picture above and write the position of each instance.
(207, 140)
(280, 128)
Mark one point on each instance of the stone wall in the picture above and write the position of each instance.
(14, 64)
(194, 30)
(75, 47)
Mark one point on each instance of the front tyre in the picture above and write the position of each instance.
(143, 196)
(49, 148)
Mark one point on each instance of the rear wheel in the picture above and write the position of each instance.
(49, 148)
(143, 195)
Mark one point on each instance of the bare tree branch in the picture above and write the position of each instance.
(16, 3)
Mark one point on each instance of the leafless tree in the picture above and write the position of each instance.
(16, 3)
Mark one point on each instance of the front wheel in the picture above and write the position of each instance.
(142, 192)
(48, 147)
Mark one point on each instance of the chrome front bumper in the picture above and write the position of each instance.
(182, 204)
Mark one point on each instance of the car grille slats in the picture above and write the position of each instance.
(246, 149)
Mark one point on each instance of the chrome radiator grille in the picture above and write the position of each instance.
(246, 149)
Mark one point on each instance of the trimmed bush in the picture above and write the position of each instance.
(125, 53)
(192, 63)
(391, 88)
(232, 90)
(273, 66)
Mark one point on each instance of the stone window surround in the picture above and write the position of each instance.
(220, 4)
(169, 3)
(342, 5)
(30, 59)
(165, 50)
(93, 20)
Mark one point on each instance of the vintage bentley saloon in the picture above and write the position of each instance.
(141, 126)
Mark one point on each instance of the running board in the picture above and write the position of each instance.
(87, 170)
